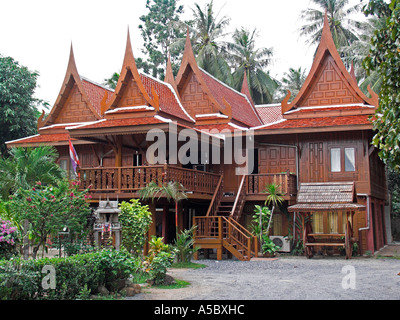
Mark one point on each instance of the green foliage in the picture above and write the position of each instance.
(159, 31)
(160, 257)
(261, 218)
(268, 246)
(245, 57)
(292, 81)
(76, 277)
(25, 166)
(183, 245)
(343, 28)
(49, 210)
(135, 220)
(384, 58)
(17, 104)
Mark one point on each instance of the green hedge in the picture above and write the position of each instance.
(23, 279)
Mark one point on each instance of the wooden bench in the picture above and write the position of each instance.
(325, 243)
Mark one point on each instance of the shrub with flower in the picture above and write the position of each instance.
(8, 239)
(50, 209)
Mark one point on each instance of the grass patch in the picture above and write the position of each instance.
(177, 285)
(188, 265)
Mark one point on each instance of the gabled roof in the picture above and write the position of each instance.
(322, 196)
(135, 89)
(73, 84)
(329, 82)
(222, 99)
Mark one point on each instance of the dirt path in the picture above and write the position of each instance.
(297, 278)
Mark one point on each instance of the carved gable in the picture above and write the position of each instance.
(329, 88)
(194, 100)
(75, 108)
(131, 96)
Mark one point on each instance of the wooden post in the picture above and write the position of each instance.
(152, 230)
(165, 222)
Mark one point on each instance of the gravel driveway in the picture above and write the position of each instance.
(287, 278)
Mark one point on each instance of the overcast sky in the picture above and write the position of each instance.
(38, 34)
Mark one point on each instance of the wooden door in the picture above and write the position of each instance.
(317, 168)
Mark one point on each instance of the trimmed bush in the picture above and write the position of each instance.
(23, 279)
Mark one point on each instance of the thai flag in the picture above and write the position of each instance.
(74, 156)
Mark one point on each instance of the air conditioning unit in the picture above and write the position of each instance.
(282, 242)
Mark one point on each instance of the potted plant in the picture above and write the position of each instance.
(269, 248)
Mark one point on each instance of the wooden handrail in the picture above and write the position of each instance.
(238, 195)
(216, 197)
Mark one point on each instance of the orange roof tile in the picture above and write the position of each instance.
(95, 93)
(242, 109)
(269, 113)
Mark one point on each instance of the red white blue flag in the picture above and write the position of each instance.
(74, 156)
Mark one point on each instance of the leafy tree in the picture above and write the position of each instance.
(274, 199)
(158, 31)
(246, 58)
(25, 166)
(343, 28)
(293, 81)
(135, 220)
(384, 58)
(18, 107)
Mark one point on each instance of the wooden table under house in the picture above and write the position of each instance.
(331, 197)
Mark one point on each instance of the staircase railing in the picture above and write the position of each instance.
(233, 236)
(216, 199)
(242, 237)
(239, 200)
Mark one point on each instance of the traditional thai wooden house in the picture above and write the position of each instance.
(323, 137)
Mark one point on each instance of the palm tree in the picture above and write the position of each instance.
(292, 81)
(172, 191)
(26, 166)
(274, 198)
(343, 28)
(112, 82)
(245, 58)
(208, 30)
(359, 50)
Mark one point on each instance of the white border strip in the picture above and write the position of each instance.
(269, 124)
(85, 124)
(147, 108)
(217, 115)
(17, 140)
(331, 106)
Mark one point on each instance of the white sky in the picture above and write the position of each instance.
(38, 34)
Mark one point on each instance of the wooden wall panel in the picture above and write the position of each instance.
(193, 98)
(276, 159)
(131, 96)
(75, 109)
(330, 88)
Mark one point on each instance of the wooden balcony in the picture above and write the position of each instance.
(256, 184)
(126, 181)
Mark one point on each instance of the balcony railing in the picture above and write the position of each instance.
(257, 183)
(132, 179)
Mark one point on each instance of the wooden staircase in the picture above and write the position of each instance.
(220, 229)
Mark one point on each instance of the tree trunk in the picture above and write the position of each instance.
(270, 219)
(26, 240)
